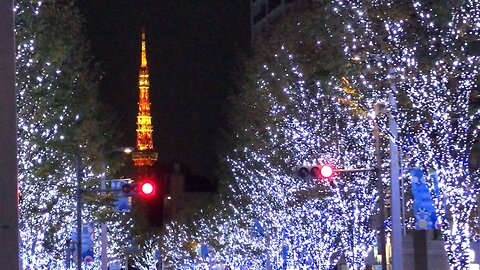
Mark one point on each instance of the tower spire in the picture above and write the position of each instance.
(144, 154)
(144, 50)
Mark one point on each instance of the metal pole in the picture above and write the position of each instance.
(397, 245)
(402, 193)
(352, 224)
(381, 200)
(79, 212)
(104, 255)
(268, 266)
(9, 249)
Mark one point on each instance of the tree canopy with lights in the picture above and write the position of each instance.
(58, 121)
(424, 55)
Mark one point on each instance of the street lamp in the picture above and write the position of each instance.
(127, 150)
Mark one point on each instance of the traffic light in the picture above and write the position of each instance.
(314, 172)
(146, 188)
(149, 199)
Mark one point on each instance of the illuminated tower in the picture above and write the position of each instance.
(144, 156)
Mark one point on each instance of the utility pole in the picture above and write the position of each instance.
(9, 248)
(397, 243)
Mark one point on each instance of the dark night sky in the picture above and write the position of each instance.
(193, 48)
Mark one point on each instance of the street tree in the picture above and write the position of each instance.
(58, 121)
(423, 55)
(294, 110)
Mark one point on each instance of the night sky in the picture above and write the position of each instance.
(193, 51)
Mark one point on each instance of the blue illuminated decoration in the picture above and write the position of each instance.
(423, 208)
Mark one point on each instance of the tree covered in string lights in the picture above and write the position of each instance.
(177, 246)
(218, 229)
(223, 237)
(425, 55)
(294, 110)
(57, 121)
(149, 258)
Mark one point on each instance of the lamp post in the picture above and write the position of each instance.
(397, 243)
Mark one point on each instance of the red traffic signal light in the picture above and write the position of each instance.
(326, 171)
(146, 188)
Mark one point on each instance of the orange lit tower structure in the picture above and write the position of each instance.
(144, 155)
